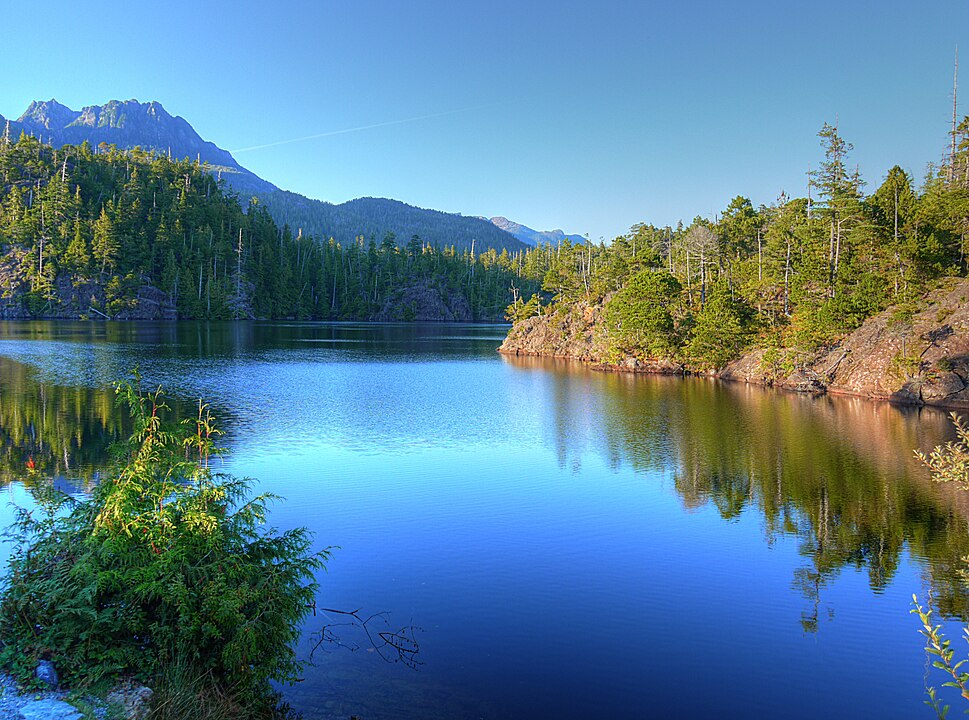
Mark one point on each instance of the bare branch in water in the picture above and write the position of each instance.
(393, 646)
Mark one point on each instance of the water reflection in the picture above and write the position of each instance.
(837, 473)
(571, 541)
(59, 432)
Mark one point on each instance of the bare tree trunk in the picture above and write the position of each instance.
(703, 279)
(787, 279)
(955, 89)
(669, 247)
(239, 265)
(837, 258)
(760, 259)
(689, 279)
(831, 258)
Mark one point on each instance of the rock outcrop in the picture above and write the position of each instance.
(425, 302)
(576, 334)
(922, 359)
(76, 299)
(916, 359)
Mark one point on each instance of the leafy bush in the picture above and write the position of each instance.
(950, 462)
(167, 564)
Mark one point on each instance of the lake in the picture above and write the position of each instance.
(558, 542)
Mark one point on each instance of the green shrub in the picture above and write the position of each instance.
(167, 564)
(949, 463)
(518, 310)
(720, 332)
(639, 317)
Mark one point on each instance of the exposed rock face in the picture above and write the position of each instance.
(424, 302)
(919, 360)
(922, 359)
(73, 299)
(575, 334)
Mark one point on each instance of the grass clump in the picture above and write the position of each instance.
(167, 571)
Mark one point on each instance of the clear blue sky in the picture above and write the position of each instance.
(585, 116)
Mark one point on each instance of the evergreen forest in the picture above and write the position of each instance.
(796, 273)
(92, 232)
(85, 231)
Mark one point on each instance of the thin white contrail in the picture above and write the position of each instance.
(360, 128)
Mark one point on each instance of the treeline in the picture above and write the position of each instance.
(84, 231)
(796, 273)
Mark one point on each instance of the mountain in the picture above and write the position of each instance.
(130, 123)
(534, 238)
(372, 218)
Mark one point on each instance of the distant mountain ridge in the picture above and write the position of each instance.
(130, 123)
(127, 124)
(535, 238)
(372, 218)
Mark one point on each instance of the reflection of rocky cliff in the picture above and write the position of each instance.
(837, 473)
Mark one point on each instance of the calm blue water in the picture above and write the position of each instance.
(570, 544)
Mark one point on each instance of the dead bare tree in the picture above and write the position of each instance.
(703, 244)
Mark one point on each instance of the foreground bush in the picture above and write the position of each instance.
(949, 463)
(168, 565)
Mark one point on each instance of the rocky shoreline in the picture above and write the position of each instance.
(919, 358)
(129, 700)
(17, 704)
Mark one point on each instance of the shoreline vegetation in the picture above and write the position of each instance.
(167, 575)
(923, 361)
(837, 292)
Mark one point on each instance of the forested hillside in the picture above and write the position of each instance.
(131, 234)
(793, 276)
(128, 124)
(374, 217)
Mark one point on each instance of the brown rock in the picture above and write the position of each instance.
(942, 387)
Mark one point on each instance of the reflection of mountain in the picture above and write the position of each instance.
(55, 431)
(836, 473)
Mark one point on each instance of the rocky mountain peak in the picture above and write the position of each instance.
(121, 114)
(48, 114)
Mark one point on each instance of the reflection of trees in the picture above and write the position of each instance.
(49, 430)
(60, 431)
(836, 473)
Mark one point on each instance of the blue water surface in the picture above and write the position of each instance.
(558, 542)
